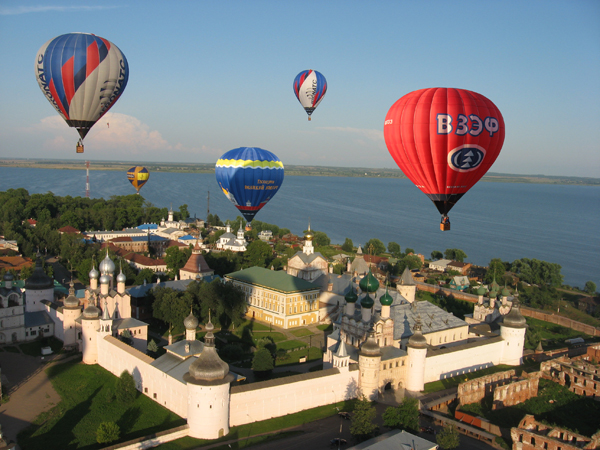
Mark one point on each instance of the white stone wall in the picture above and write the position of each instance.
(514, 339)
(57, 318)
(33, 299)
(276, 401)
(208, 411)
(116, 357)
(467, 360)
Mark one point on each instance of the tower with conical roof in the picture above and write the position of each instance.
(407, 286)
(512, 330)
(38, 287)
(208, 382)
(417, 354)
(369, 360)
(341, 359)
(71, 311)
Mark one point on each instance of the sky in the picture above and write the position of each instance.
(207, 77)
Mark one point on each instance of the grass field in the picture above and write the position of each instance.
(88, 398)
(301, 332)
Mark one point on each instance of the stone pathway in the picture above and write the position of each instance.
(31, 392)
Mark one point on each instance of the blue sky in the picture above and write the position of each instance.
(206, 77)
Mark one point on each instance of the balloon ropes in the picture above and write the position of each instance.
(249, 177)
(310, 88)
(82, 76)
(138, 176)
(444, 140)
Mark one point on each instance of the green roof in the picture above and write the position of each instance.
(272, 279)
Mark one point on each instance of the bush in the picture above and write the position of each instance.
(107, 432)
(126, 391)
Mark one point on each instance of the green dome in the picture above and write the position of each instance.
(386, 299)
(351, 296)
(481, 290)
(493, 293)
(369, 283)
(367, 302)
(505, 292)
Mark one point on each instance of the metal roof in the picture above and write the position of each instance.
(276, 280)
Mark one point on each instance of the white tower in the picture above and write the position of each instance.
(308, 248)
(191, 324)
(208, 382)
(417, 353)
(38, 287)
(341, 359)
(512, 330)
(71, 312)
(407, 287)
(369, 360)
(90, 325)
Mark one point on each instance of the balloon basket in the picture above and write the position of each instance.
(309, 119)
(79, 148)
(445, 226)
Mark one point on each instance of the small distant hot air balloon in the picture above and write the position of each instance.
(82, 76)
(249, 177)
(138, 176)
(310, 87)
(444, 140)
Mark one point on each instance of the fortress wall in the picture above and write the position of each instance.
(462, 361)
(268, 399)
(116, 356)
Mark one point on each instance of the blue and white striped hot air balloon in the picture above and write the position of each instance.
(249, 177)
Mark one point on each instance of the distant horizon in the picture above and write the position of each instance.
(391, 169)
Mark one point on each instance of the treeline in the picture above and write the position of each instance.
(86, 214)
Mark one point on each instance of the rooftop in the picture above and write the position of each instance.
(272, 279)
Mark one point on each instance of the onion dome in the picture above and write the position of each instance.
(91, 312)
(107, 266)
(190, 322)
(209, 366)
(104, 279)
(94, 274)
(370, 347)
(38, 279)
(367, 302)
(309, 235)
(121, 278)
(8, 277)
(351, 296)
(369, 283)
(505, 292)
(71, 301)
(495, 286)
(514, 319)
(417, 340)
(481, 290)
(386, 299)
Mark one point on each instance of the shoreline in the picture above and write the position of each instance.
(291, 170)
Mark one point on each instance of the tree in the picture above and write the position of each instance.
(534, 271)
(259, 254)
(496, 271)
(362, 427)
(262, 360)
(183, 211)
(590, 287)
(436, 254)
(448, 438)
(107, 432)
(169, 305)
(413, 262)
(404, 416)
(348, 246)
(374, 247)
(408, 251)
(321, 239)
(394, 249)
(455, 254)
(176, 259)
(126, 391)
(152, 347)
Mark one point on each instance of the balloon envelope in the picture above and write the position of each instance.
(444, 140)
(138, 176)
(310, 87)
(249, 177)
(82, 76)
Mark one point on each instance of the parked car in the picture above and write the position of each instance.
(345, 415)
(337, 441)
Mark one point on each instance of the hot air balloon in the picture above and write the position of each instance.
(138, 176)
(249, 177)
(444, 140)
(82, 76)
(310, 87)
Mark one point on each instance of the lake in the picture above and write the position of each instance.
(554, 223)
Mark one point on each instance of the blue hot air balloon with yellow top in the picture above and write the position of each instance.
(249, 177)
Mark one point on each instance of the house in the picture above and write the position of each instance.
(460, 283)
(440, 265)
(460, 267)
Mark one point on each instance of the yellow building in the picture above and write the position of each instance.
(278, 298)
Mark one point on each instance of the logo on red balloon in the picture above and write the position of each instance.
(466, 158)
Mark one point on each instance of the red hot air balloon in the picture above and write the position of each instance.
(444, 140)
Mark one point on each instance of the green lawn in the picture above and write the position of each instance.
(552, 335)
(294, 357)
(276, 336)
(301, 332)
(325, 327)
(568, 410)
(288, 345)
(87, 394)
(35, 348)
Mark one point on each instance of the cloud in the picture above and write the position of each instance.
(118, 137)
(374, 135)
(48, 8)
